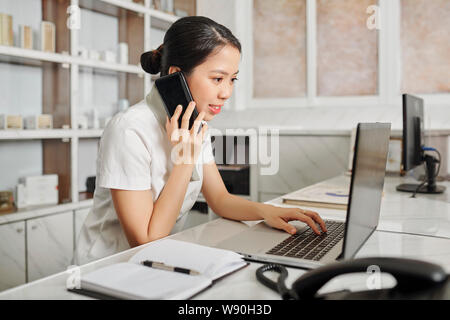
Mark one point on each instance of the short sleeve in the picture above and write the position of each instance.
(124, 160)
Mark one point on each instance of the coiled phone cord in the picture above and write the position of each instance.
(278, 286)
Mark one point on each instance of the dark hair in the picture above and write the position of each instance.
(187, 44)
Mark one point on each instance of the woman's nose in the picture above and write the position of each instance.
(225, 92)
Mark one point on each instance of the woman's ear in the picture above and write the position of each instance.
(173, 69)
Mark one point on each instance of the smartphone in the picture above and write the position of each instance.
(174, 91)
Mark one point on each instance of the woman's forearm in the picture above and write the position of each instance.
(167, 208)
(236, 208)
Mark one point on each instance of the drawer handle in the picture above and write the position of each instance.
(34, 227)
(19, 230)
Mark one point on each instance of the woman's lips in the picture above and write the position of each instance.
(215, 108)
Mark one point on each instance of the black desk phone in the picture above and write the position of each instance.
(415, 280)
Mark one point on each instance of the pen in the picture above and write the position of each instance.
(162, 266)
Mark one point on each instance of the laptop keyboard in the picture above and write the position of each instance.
(308, 245)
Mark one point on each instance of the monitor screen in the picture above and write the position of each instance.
(366, 187)
(413, 131)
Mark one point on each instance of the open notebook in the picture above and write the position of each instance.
(132, 280)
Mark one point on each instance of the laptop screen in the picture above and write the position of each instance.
(366, 187)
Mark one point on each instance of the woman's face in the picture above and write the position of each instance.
(211, 83)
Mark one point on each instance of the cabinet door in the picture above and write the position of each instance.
(49, 244)
(12, 255)
(80, 216)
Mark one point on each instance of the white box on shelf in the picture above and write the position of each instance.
(11, 122)
(94, 54)
(48, 43)
(41, 190)
(123, 53)
(82, 122)
(21, 196)
(83, 53)
(108, 56)
(42, 121)
(95, 120)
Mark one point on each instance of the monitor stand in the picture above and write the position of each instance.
(430, 186)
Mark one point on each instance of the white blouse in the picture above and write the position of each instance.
(134, 154)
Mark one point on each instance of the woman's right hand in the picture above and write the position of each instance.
(186, 143)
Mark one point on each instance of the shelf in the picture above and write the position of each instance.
(127, 5)
(142, 9)
(166, 17)
(22, 55)
(34, 55)
(36, 134)
(39, 211)
(49, 134)
(89, 133)
(99, 64)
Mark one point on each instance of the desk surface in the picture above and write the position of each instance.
(427, 214)
(415, 228)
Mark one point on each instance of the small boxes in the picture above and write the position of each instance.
(21, 201)
(82, 122)
(42, 121)
(94, 54)
(83, 52)
(38, 190)
(26, 37)
(10, 122)
(48, 36)
(108, 56)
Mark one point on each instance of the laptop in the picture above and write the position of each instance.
(305, 249)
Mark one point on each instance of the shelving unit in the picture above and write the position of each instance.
(61, 146)
(65, 64)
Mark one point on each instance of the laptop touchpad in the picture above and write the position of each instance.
(257, 239)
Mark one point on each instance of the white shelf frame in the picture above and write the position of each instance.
(66, 59)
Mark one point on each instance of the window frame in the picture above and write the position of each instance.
(389, 64)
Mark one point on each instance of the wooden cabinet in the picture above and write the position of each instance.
(49, 244)
(12, 255)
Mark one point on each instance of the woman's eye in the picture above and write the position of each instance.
(234, 79)
(217, 79)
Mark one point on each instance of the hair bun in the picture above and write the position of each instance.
(151, 60)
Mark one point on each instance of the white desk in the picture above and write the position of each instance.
(399, 213)
(427, 214)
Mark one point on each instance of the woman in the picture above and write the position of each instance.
(140, 191)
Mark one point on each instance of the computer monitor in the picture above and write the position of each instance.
(414, 149)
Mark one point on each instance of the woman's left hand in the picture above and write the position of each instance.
(277, 217)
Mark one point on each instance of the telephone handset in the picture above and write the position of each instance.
(412, 277)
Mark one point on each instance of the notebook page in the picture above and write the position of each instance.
(206, 260)
(132, 281)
